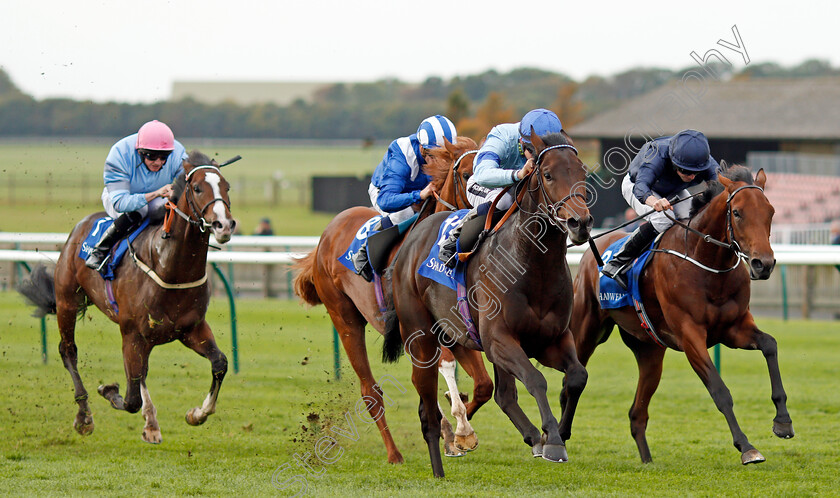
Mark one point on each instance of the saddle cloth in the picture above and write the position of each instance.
(117, 252)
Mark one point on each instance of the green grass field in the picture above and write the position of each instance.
(285, 396)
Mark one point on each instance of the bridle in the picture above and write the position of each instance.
(553, 208)
(200, 221)
(732, 245)
(458, 182)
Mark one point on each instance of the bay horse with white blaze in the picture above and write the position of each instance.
(161, 296)
(351, 301)
(696, 295)
(522, 300)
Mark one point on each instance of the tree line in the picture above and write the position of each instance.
(366, 111)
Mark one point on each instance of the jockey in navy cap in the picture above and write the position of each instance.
(664, 167)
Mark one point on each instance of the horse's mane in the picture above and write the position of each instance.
(735, 173)
(198, 158)
(440, 160)
(556, 139)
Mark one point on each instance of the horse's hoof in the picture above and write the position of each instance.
(107, 390)
(395, 458)
(151, 435)
(537, 450)
(555, 453)
(192, 419)
(451, 451)
(85, 426)
(466, 443)
(751, 456)
(784, 431)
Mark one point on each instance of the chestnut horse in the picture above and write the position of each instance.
(351, 301)
(520, 291)
(695, 296)
(164, 301)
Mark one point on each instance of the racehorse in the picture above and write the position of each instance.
(160, 296)
(695, 296)
(351, 301)
(520, 291)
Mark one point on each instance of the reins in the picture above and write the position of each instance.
(458, 182)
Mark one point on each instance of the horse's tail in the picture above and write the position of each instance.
(39, 290)
(305, 279)
(392, 347)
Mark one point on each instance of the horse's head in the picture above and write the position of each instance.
(749, 215)
(560, 179)
(450, 167)
(206, 194)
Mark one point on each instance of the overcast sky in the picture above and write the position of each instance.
(133, 51)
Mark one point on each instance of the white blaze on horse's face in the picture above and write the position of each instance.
(222, 229)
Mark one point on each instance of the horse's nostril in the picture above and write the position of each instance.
(756, 264)
(217, 225)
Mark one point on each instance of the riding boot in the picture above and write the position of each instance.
(121, 227)
(632, 248)
(449, 247)
(362, 264)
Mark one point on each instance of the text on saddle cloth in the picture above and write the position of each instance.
(119, 249)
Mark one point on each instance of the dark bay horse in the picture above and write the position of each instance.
(351, 301)
(520, 296)
(691, 307)
(159, 304)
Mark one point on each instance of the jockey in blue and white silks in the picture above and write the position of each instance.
(399, 182)
(138, 176)
(663, 167)
(505, 157)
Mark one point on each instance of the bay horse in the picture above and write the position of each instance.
(351, 301)
(520, 290)
(164, 301)
(695, 296)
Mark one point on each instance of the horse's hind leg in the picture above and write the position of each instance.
(200, 339)
(136, 362)
(465, 439)
(694, 344)
(649, 359)
(66, 315)
(350, 325)
(424, 352)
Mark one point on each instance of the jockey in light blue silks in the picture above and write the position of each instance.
(139, 172)
(399, 182)
(663, 167)
(506, 157)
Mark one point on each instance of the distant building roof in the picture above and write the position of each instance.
(246, 93)
(754, 109)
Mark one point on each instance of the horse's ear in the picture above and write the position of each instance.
(536, 140)
(449, 146)
(761, 178)
(726, 182)
(723, 165)
(187, 166)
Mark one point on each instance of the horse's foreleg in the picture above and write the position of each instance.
(66, 316)
(507, 399)
(448, 435)
(151, 431)
(464, 434)
(750, 337)
(508, 355)
(694, 344)
(561, 356)
(200, 339)
(649, 359)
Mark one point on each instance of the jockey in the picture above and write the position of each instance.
(664, 167)
(506, 157)
(139, 172)
(399, 182)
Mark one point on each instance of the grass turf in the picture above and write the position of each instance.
(285, 398)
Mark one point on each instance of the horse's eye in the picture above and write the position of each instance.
(736, 214)
(197, 189)
(466, 176)
(227, 188)
(547, 176)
